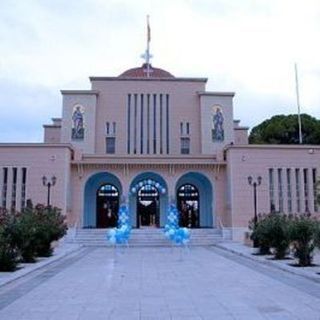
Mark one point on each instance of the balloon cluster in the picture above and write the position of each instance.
(172, 230)
(121, 234)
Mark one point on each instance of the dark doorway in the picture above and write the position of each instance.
(107, 206)
(148, 206)
(188, 206)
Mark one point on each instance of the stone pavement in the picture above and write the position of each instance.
(159, 283)
(288, 264)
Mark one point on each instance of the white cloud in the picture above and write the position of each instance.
(246, 46)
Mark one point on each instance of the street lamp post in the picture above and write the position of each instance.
(49, 184)
(254, 184)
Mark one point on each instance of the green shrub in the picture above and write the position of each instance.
(259, 235)
(8, 250)
(25, 235)
(304, 233)
(50, 227)
(278, 234)
(272, 231)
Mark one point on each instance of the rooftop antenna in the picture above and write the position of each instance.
(298, 102)
(147, 55)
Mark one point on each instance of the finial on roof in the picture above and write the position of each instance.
(147, 55)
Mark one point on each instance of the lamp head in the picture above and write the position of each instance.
(53, 180)
(44, 180)
(259, 180)
(250, 180)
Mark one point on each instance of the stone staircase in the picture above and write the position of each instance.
(144, 237)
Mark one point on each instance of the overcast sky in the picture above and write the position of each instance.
(247, 46)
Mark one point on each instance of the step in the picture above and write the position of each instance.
(144, 237)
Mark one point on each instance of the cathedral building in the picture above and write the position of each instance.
(148, 138)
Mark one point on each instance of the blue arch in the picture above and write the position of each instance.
(163, 197)
(204, 186)
(90, 198)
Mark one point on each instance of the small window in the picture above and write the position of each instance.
(110, 145)
(113, 127)
(188, 127)
(185, 145)
(107, 127)
(181, 128)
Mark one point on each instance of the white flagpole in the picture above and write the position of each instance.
(298, 103)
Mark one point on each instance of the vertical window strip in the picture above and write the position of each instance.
(306, 190)
(289, 192)
(280, 188)
(161, 129)
(5, 187)
(141, 125)
(23, 187)
(297, 174)
(271, 190)
(128, 127)
(154, 123)
(114, 128)
(14, 188)
(181, 128)
(135, 123)
(148, 123)
(314, 185)
(167, 122)
(188, 128)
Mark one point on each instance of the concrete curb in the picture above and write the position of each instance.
(292, 270)
(29, 268)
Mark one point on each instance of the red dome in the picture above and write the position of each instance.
(141, 72)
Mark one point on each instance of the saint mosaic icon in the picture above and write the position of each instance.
(77, 121)
(217, 124)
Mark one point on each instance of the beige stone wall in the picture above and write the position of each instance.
(39, 160)
(207, 102)
(183, 107)
(256, 161)
(216, 176)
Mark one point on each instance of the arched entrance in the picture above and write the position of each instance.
(102, 194)
(148, 200)
(195, 200)
(148, 206)
(188, 206)
(107, 206)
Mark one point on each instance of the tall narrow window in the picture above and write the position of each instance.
(23, 188)
(289, 193)
(297, 174)
(154, 123)
(110, 145)
(148, 123)
(181, 128)
(167, 125)
(107, 127)
(280, 188)
(135, 123)
(113, 128)
(271, 191)
(161, 129)
(314, 184)
(128, 124)
(14, 188)
(4, 187)
(188, 128)
(141, 125)
(306, 190)
(185, 145)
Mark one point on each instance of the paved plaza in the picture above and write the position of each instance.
(159, 283)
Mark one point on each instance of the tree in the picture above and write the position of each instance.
(281, 129)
